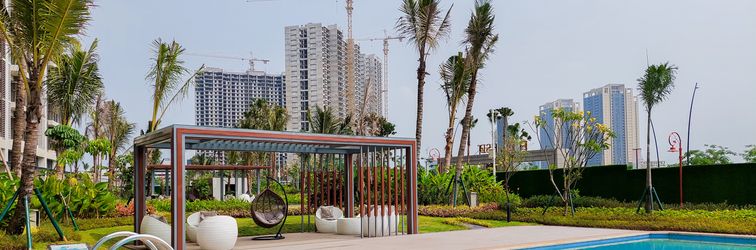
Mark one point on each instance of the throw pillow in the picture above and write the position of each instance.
(326, 213)
(205, 214)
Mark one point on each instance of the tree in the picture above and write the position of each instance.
(36, 33)
(479, 42)
(456, 81)
(375, 125)
(64, 138)
(96, 130)
(166, 73)
(655, 85)
(424, 24)
(97, 148)
(750, 154)
(117, 130)
(579, 137)
(511, 155)
(712, 155)
(72, 86)
(262, 115)
(324, 121)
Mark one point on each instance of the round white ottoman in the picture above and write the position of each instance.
(217, 233)
(348, 226)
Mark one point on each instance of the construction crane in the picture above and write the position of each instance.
(384, 91)
(251, 59)
(350, 79)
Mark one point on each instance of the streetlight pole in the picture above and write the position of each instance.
(493, 112)
(675, 141)
(690, 114)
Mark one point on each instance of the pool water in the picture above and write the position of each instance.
(671, 245)
(666, 241)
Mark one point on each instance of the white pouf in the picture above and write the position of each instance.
(217, 233)
(348, 226)
(152, 226)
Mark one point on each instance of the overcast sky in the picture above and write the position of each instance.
(547, 50)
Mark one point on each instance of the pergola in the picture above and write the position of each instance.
(349, 165)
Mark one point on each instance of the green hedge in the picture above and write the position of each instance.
(731, 183)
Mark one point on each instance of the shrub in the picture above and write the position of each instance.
(579, 201)
(449, 211)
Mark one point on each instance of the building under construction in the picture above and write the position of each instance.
(316, 74)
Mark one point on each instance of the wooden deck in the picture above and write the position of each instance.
(495, 238)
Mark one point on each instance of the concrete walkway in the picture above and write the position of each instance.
(494, 238)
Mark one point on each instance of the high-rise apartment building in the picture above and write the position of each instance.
(316, 73)
(9, 74)
(615, 106)
(547, 133)
(222, 97)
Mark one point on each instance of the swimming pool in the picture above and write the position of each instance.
(666, 241)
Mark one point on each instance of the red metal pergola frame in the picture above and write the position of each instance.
(179, 138)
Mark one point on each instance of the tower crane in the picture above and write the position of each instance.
(350, 79)
(384, 91)
(251, 59)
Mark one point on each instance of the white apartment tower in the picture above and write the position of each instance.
(223, 97)
(316, 73)
(9, 75)
(617, 107)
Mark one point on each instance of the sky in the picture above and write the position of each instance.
(547, 50)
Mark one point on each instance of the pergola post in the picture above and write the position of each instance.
(411, 167)
(177, 192)
(139, 186)
(349, 168)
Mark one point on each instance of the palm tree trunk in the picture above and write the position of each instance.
(466, 123)
(19, 123)
(111, 169)
(649, 197)
(420, 92)
(28, 171)
(449, 141)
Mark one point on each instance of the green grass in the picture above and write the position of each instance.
(741, 221)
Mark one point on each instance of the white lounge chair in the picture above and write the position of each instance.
(152, 226)
(327, 225)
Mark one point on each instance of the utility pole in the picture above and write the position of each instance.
(493, 140)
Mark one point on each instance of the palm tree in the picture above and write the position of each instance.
(479, 40)
(424, 24)
(36, 33)
(456, 80)
(324, 121)
(72, 86)
(117, 130)
(95, 130)
(655, 85)
(262, 116)
(166, 73)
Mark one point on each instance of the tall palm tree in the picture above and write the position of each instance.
(324, 121)
(262, 115)
(95, 131)
(424, 23)
(479, 42)
(166, 73)
(117, 130)
(655, 85)
(36, 33)
(456, 81)
(72, 86)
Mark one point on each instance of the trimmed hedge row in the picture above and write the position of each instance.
(731, 183)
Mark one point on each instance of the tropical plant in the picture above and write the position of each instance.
(117, 130)
(375, 125)
(456, 81)
(581, 137)
(74, 83)
(655, 85)
(97, 148)
(479, 41)
(324, 121)
(262, 115)
(36, 32)
(166, 73)
(83, 197)
(424, 23)
(64, 138)
(712, 155)
(125, 174)
(750, 154)
(511, 155)
(94, 130)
